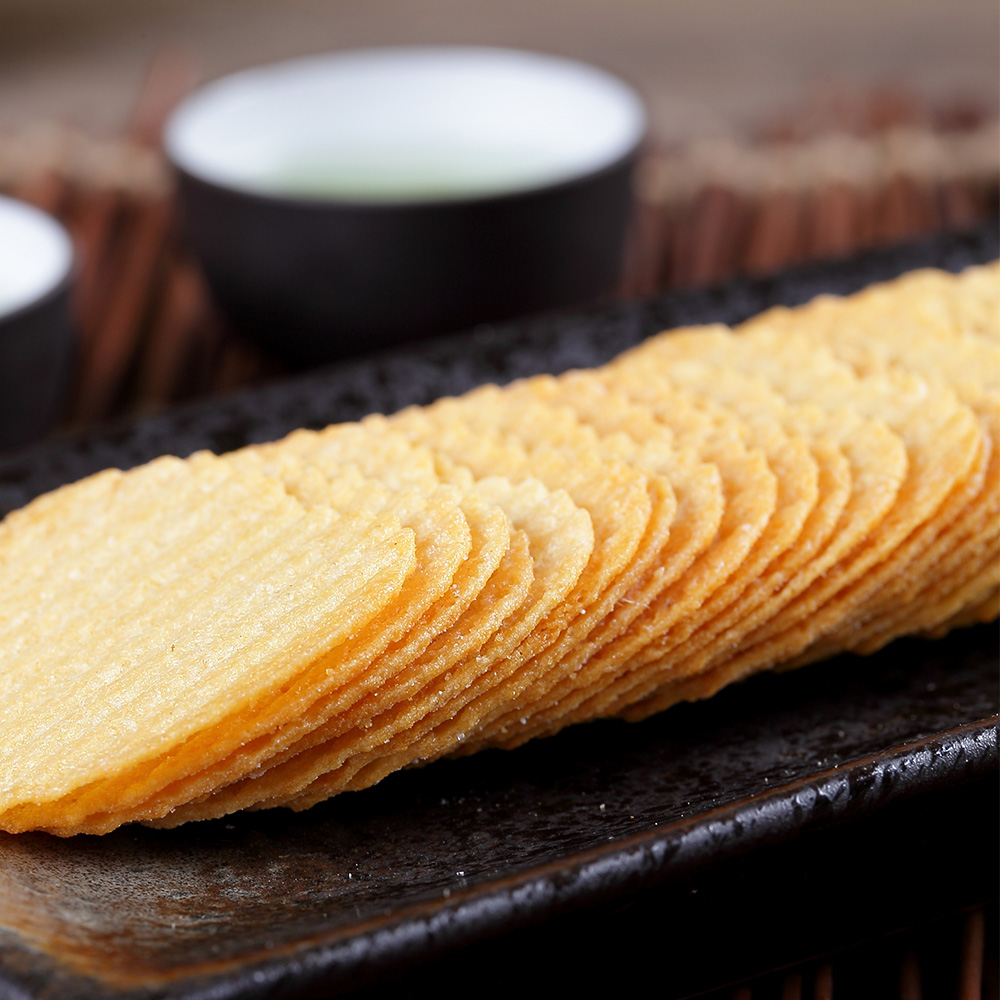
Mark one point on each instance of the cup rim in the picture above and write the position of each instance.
(62, 245)
(625, 151)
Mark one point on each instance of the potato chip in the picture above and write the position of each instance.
(134, 626)
(910, 325)
(775, 579)
(430, 601)
(615, 493)
(561, 539)
(977, 611)
(749, 492)
(667, 548)
(928, 426)
(500, 580)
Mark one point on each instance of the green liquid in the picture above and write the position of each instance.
(14, 298)
(409, 175)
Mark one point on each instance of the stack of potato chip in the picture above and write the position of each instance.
(293, 620)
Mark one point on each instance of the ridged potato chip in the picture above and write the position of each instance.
(561, 540)
(557, 449)
(912, 325)
(134, 626)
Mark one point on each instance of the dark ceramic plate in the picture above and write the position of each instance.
(788, 815)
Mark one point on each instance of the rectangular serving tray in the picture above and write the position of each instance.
(718, 835)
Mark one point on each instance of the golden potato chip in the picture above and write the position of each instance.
(430, 601)
(500, 581)
(749, 496)
(135, 625)
(443, 544)
(910, 325)
(939, 491)
(804, 371)
(561, 539)
(312, 466)
(776, 576)
(979, 610)
(663, 553)
(616, 494)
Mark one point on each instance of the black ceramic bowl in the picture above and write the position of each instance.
(36, 337)
(348, 202)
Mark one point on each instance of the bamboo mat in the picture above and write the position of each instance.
(832, 178)
(954, 958)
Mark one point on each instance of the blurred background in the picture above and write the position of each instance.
(705, 66)
(781, 131)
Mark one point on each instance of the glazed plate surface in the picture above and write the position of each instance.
(447, 868)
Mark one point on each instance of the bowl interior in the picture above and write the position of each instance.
(35, 255)
(409, 124)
